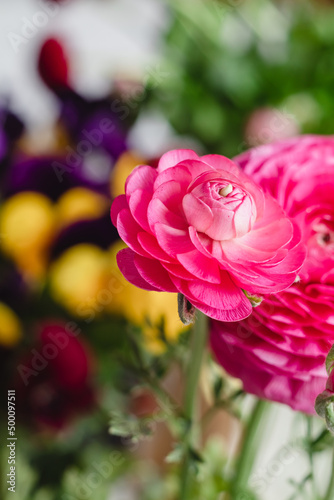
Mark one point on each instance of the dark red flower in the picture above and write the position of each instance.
(53, 64)
(55, 378)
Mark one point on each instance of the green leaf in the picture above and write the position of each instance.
(126, 425)
(176, 455)
(218, 387)
(195, 456)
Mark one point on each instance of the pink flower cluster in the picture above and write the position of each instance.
(279, 352)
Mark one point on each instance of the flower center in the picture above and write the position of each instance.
(326, 238)
(225, 191)
(324, 233)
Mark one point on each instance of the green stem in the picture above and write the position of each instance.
(193, 373)
(330, 490)
(309, 421)
(249, 448)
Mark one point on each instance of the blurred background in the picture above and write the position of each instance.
(90, 89)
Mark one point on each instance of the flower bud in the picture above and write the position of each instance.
(185, 309)
(324, 404)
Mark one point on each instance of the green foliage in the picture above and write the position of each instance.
(227, 59)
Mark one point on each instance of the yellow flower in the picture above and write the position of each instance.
(149, 310)
(27, 225)
(123, 168)
(79, 280)
(10, 327)
(80, 204)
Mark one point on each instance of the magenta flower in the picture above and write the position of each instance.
(279, 352)
(201, 227)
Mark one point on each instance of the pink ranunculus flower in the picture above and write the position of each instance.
(279, 352)
(201, 227)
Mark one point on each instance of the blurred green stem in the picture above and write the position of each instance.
(200, 334)
(330, 490)
(309, 421)
(250, 447)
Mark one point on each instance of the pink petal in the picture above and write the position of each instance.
(159, 213)
(226, 295)
(242, 219)
(180, 174)
(201, 242)
(230, 302)
(267, 283)
(262, 285)
(171, 195)
(198, 214)
(128, 229)
(234, 251)
(214, 175)
(117, 205)
(213, 249)
(298, 392)
(271, 238)
(276, 278)
(125, 262)
(222, 227)
(196, 167)
(242, 311)
(174, 157)
(296, 238)
(200, 266)
(142, 177)
(279, 257)
(219, 162)
(150, 245)
(178, 270)
(292, 262)
(138, 203)
(154, 273)
(173, 241)
(272, 212)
